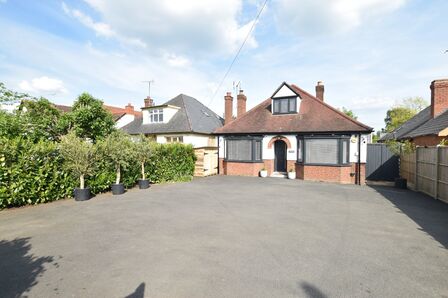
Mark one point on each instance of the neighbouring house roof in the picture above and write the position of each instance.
(117, 112)
(431, 127)
(419, 119)
(314, 116)
(192, 117)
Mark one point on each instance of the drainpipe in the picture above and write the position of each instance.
(218, 157)
(359, 160)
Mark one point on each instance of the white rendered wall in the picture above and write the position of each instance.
(196, 140)
(126, 119)
(354, 148)
(168, 113)
(268, 153)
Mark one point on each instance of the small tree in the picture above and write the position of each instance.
(143, 150)
(118, 148)
(89, 118)
(349, 113)
(79, 156)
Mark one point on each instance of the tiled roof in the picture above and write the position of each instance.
(117, 112)
(192, 116)
(314, 116)
(421, 118)
(431, 127)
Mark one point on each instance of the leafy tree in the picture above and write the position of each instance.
(41, 118)
(396, 116)
(11, 126)
(89, 119)
(349, 113)
(143, 149)
(10, 96)
(404, 111)
(415, 103)
(79, 156)
(118, 148)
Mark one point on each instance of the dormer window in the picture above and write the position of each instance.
(287, 105)
(285, 100)
(156, 116)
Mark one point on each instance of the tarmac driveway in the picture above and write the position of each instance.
(229, 237)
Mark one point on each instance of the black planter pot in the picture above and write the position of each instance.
(118, 189)
(81, 194)
(143, 184)
(401, 183)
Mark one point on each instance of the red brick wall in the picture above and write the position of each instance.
(427, 140)
(307, 172)
(439, 97)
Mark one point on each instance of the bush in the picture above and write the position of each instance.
(171, 162)
(31, 173)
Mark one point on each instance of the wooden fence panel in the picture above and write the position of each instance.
(206, 161)
(443, 174)
(426, 170)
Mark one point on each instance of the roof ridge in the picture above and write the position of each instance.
(186, 112)
(332, 108)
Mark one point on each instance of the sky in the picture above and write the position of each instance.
(370, 54)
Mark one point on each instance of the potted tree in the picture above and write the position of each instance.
(143, 152)
(118, 149)
(263, 172)
(79, 159)
(291, 174)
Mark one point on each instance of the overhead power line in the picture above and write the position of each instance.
(238, 52)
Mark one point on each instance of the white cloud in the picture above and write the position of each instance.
(43, 85)
(177, 61)
(100, 28)
(323, 16)
(178, 26)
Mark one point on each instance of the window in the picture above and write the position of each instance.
(299, 150)
(285, 105)
(243, 149)
(323, 150)
(175, 139)
(156, 116)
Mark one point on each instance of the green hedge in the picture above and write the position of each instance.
(32, 173)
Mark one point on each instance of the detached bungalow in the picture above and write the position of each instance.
(430, 126)
(292, 130)
(182, 119)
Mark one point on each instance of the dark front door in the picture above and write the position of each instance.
(280, 156)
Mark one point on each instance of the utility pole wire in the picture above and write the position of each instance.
(239, 51)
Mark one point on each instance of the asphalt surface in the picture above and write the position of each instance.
(229, 237)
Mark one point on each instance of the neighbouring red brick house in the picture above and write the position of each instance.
(292, 130)
(430, 126)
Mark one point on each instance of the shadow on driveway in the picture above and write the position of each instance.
(19, 270)
(430, 214)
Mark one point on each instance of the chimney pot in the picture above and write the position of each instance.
(228, 108)
(149, 102)
(320, 90)
(240, 104)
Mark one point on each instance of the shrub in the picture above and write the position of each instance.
(31, 173)
(143, 149)
(171, 162)
(79, 156)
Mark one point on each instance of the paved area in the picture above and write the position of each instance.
(229, 237)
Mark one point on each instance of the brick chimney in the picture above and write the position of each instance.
(149, 102)
(228, 107)
(320, 90)
(240, 104)
(129, 109)
(439, 97)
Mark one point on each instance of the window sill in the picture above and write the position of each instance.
(244, 161)
(324, 164)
